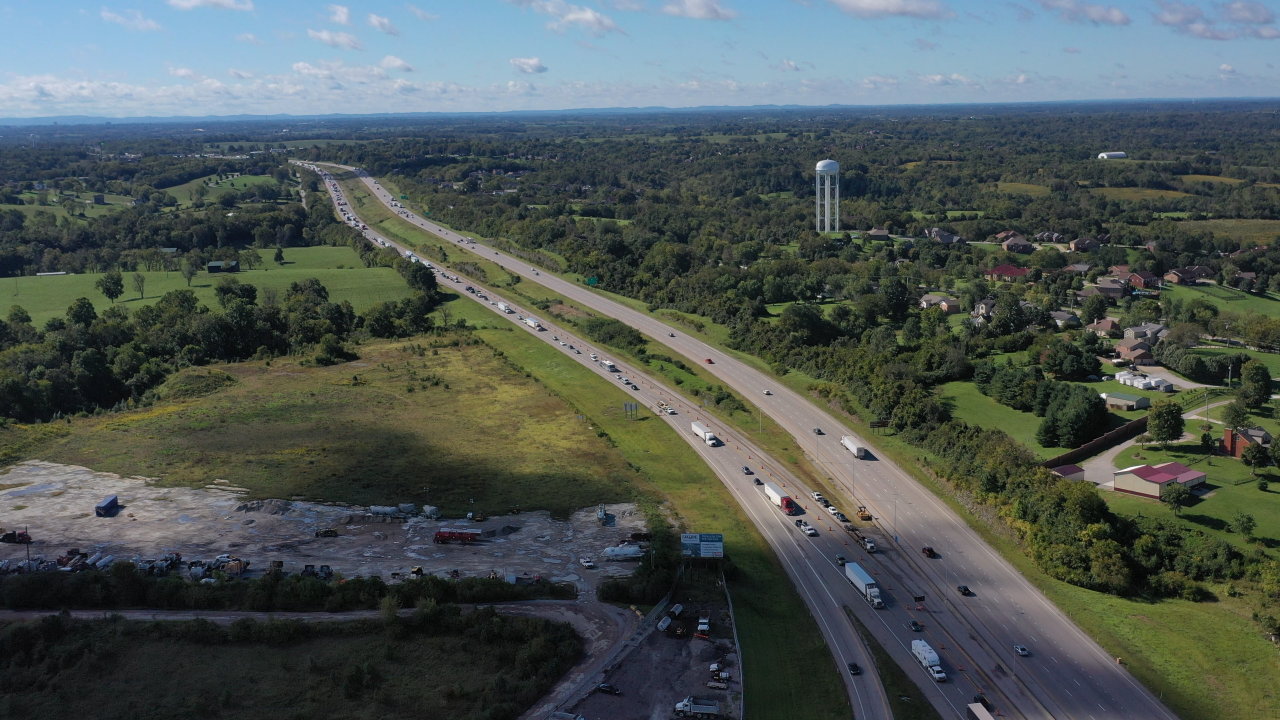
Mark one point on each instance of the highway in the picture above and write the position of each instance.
(1066, 675)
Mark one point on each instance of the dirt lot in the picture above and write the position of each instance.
(663, 670)
(56, 503)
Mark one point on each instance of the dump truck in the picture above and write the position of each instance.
(853, 447)
(698, 708)
(16, 537)
(928, 660)
(864, 584)
(705, 433)
(781, 499)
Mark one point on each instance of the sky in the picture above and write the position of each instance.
(129, 58)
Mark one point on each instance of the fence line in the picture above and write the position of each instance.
(1115, 437)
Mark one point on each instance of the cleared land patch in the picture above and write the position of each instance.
(1135, 194)
(440, 429)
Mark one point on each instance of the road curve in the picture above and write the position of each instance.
(1067, 675)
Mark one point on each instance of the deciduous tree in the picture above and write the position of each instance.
(111, 284)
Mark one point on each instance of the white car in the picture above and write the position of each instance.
(817, 496)
(1021, 650)
(768, 392)
(833, 510)
(810, 530)
(586, 563)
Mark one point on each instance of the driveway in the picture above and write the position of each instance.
(1100, 469)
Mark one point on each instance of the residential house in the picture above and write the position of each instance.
(1142, 279)
(944, 237)
(1018, 244)
(1118, 270)
(1106, 327)
(1133, 344)
(1006, 273)
(1077, 268)
(1234, 442)
(1247, 275)
(1148, 331)
(218, 266)
(1083, 245)
(1121, 401)
(1150, 481)
(983, 309)
(1007, 234)
(930, 300)
(1068, 472)
(878, 233)
(1065, 320)
(1138, 356)
(1177, 276)
(950, 306)
(1049, 237)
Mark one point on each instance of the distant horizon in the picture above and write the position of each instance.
(83, 120)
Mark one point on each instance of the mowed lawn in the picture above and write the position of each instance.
(440, 427)
(338, 268)
(1225, 298)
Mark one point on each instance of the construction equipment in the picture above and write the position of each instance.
(863, 514)
(277, 568)
(308, 571)
(325, 573)
(326, 533)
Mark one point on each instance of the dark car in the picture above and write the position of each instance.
(915, 626)
(746, 470)
(708, 361)
(964, 590)
(799, 523)
(759, 481)
(817, 431)
(840, 560)
(929, 552)
(608, 689)
(854, 669)
(983, 701)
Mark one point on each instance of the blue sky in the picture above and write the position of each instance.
(196, 57)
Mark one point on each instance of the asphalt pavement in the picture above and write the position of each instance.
(1066, 675)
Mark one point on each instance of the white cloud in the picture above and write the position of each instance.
(239, 74)
(391, 62)
(529, 66)
(422, 14)
(787, 66)
(1252, 13)
(878, 82)
(249, 38)
(1251, 19)
(244, 5)
(1226, 69)
(923, 9)
(1074, 11)
(627, 5)
(699, 10)
(952, 79)
(134, 20)
(340, 14)
(567, 15)
(383, 24)
(338, 40)
(181, 72)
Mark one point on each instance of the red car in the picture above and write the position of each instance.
(929, 552)
(708, 361)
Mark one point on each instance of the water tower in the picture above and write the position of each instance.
(828, 200)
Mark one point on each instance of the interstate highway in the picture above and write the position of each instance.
(1067, 674)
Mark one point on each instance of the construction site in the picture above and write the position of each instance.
(108, 518)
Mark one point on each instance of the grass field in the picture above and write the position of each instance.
(1135, 194)
(30, 208)
(1012, 188)
(1251, 232)
(1233, 490)
(352, 670)
(1225, 298)
(338, 268)
(1271, 360)
(1210, 179)
(182, 193)
(435, 429)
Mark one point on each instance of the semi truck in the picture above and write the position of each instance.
(853, 447)
(705, 433)
(505, 308)
(698, 708)
(533, 323)
(866, 585)
(928, 660)
(781, 499)
(866, 542)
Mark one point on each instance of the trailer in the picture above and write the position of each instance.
(465, 535)
(534, 323)
(928, 660)
(867, 543)
(107, 507)
(505, 308)
(705, 433)
(781, 499)
(866, 585)
(852, 446)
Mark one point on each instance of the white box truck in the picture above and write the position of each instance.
(864, 584)
(608, 365)
(928, 660)
(505, 308)
(533, 323)
(707, 436)
(780, 498)
(857, 450)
